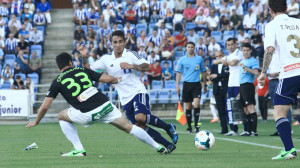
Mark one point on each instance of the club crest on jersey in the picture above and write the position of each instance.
(112, 65)
(197, 67)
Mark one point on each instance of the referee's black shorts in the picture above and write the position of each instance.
(190, 91)
(247, 94)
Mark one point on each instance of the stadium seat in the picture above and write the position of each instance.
(250, 33)
(226, 52)
(37, 49)
(175, 64)
(95, 27)
(217, 35)
(174, 97)
(175, 33)
(162, 64)
(190, 25)
(5, 86)
(222, 44)
(227, 35)
(34, 78)
(200, 33)
(151, 27)
(170, 84)
(23, 76)
(157, 84)
(163, 97)
(10, 60)
(41, 28)
(139, 28)
(153, 97)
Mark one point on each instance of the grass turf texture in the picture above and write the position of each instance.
(122, 150)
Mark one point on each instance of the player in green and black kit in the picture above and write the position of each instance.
(89, 105)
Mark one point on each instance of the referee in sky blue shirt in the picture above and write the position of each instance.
(248, 70)
(191, 66)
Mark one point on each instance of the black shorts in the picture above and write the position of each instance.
(190, 91)
(247, 94)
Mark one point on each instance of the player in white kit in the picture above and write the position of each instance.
(282, 34)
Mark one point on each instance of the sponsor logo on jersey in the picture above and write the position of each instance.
(291, 67)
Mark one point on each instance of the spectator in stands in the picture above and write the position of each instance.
(256, 38)
(205, 9)
(2, 26)
(213, 21)
(163, 10)
(120, 17)
(104, 31)
(11, 44)
(180, 5)
(261, 26)
(152, 47)
(189, 13)
(77, 61)
(200, 20)
(109, 15)
(225, 9)
(144, 14)
(263, 93)
(101, 50)
(257, 8)
(28, 25)
(249, 21)
(2, 43)
(91, 36)
(224, 24)
(101, 21)
(128, 29)
(26, 14)
(154, 17)
(92, 53)
(80, 15)
(242, 36)
(18, 84)
(155, 6)
(181, 41)
(238, 9)
(166, 72)
(130, 42)
(293, 9)
(170, 4)
(107, 44)
(193, 37)
(24, 33)
(115, 27)
(155, 72)
(162, 30)
(39, 19)
(14, 25)
(16, 7)
(167, 50)
(213, 48)
(92, 17)
(23, 45)
(35, 65)
(1, 57)
(142, 40)
(170, 38)
(155, 38)
(7, 75)
(21, 64)
(141, 2)
(201, 45)
(75, 50)
(130, 15)
(200, 3)
(142, 51)
(79, 35)
(235, 20)
(45, 8)
(28, 83)
(30, 6)
(36, 37)
(152, 57)
(4, 9)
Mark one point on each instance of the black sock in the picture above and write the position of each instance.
(254, 122)
(157, 136)
(196, 116)
(155, 121)
(188, 114)
(248, 123)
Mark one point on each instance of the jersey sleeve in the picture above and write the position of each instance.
(53, 90)
(98, 65)
(269, 37)
(136, 58)
(94, 75)
(179, 66)
(202, 66)
(255, 64)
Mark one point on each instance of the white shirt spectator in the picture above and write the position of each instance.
(140, 2)
(216, 3)
(225, 8)
(36, 37)
(193, 38)
(39, 19)
(107, 16)
(249, 21)
(239, 10)
(257, 10)
(213, 48)
(152, 60)
(17, 24)
(177, 17)
(213, 22)
(200, 18)
(180, 4)
(2, 27)
(31, 7)
(243, 37)
(295, 6)
(170, 4)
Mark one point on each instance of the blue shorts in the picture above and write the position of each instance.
(139, 104)
(287, 90)
(233, 92)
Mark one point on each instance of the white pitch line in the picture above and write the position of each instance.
(243, 142)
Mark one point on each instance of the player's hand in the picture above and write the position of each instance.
(261, 79)
(83, 50)
(213, 76)
(31, 124)
(125, 65)
(178, 90)
(119, 79)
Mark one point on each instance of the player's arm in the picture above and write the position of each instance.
(269, 51)
(84, 56)
(178, 78)
(109, 79)
(233, 62)
(142, 67)
(252, 71)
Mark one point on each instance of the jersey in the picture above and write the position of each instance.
(245, 76)
(234, 71)
(131, 84)
(282, 33)
(75, 85)
(191, 67)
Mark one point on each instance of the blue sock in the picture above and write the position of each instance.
(157, 136)
(284, 130)
(155, 121)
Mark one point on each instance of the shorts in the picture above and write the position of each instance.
(190, 91)
(233, 92)
(139, 104)
(247, 94)
(212, 100)
(287, 90)
(106, 113)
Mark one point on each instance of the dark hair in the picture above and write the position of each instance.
(18, 77)
(157, 61)
(166, 62)
(278, 5)
(118, 33)
(62, 60)
(231, 39)
(190, 42)
(247, 45)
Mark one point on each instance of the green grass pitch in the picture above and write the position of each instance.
(121, 150)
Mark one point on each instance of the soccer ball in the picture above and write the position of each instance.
(204, 140)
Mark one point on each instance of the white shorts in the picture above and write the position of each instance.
(106, 113)
(212, 100)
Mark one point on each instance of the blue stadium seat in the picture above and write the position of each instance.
(37, 49)
(228, 34)
(163, 97)
(190, 25)
(23, 76)
(95, 27)
(140, 27)
(175, 64)
(153, 97)
(41, 28)
(10, 60)
(226, 52)
(34, 78)
(157, 84)
(170, 84)
(175, 33)
(222, 44)
(217, 35)
(1, 68)
(200, 33)
(250, 33)
(162, 64)
(174, 97)
(178, 54)
(151, 27)
(5, 86)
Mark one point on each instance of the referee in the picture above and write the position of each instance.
(191, 66)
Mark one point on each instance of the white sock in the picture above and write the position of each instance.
(213, 110)
(143, 136)
(71, 133)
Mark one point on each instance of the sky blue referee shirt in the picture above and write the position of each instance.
(190, 68)
(245, 76)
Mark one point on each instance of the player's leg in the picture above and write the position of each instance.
(188, 114)
(187, 98)
(71, 133)
(196, 100)
(213, 109)
(232, 92)
(253, 119)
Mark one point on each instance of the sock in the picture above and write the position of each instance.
(196, 116)
(245, 122)
(157, 136)
(188, 114)
(248, 123)
(284, 129)
(213, 110)
(155, 121)
(142, 135)
(254, 122)
(71, 133)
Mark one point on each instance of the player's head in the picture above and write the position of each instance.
(230, 44)
(63, 60)
(277, 6)
(246, 48)
(118, 41)
(190, 47)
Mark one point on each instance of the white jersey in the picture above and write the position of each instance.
(131, 84)
(234, 76)
(283, 34)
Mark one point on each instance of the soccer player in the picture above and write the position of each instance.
(133, 94)
(191, 66)
(282, 34)
(89, 105)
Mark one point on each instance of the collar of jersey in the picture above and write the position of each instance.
(281, 16)
(113, 54)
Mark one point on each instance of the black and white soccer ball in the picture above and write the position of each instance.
(204, 140)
